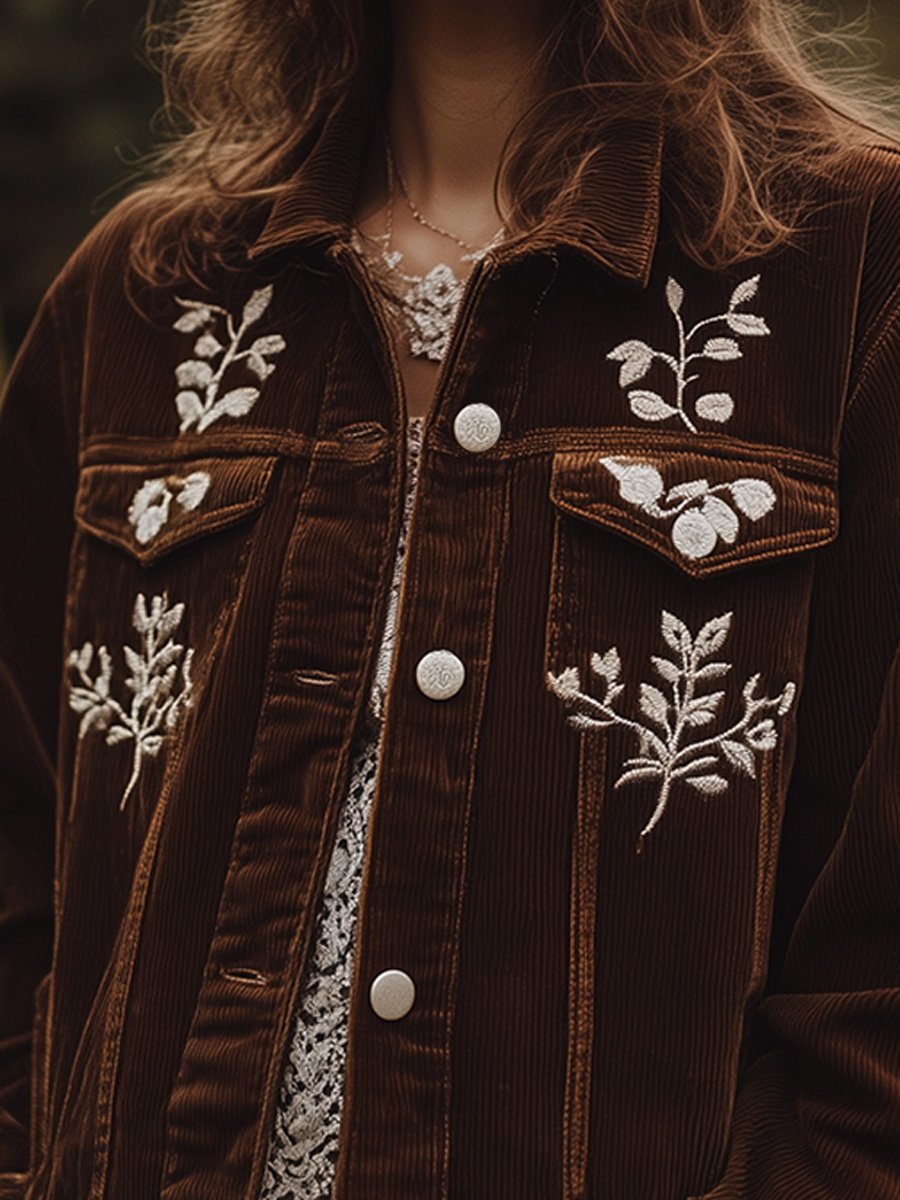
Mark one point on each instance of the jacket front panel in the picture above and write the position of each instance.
(573, 856)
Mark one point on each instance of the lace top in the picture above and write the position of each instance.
(303, 1148)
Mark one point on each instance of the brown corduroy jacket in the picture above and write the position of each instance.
(640, 857)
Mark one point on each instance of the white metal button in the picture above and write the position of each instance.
(440, 674)
(392, 995)
(477, 427)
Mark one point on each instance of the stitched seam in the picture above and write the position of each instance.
(525, 369)
(891, 320)
(756, 550)
(582, 965)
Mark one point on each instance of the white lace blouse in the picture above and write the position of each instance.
(304, 1143)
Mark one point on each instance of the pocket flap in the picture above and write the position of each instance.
(150, 509)
(705, 504)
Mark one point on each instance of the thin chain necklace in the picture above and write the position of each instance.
(428, 304)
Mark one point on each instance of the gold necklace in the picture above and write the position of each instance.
(428, 304)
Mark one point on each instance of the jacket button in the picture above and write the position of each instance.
(392, 995)
(440, 674)
(477, 427)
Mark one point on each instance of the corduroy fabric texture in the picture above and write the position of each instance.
(642, 867)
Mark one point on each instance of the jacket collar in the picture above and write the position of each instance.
(613, 221)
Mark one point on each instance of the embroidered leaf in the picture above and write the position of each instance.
(97, 717)
(715, 406)
(763, 736)
(787, 699)
(273, 344)
(236, 403)
(190, 409)
(747, 324)
(665, 669)
(744, 291)
(118, 734)
(676, 633)
(674, 295)
(701, 765)
(713, 635)
(257, 305)
(713, 670)
(630, 349)
(195, 318)
(649, 406)
(635, 357)
(722, 349)
(687, 491)
(193, 490)
(80, 699)
(260, 368)
(754, 497)
(693, 535)
(654, 705)
(567, 684)
(740, 757)
(169, 621)
(722, 517)
(609, 667)
(709, 785)
(639, 483)
(193, 373)
(208, 346)
(153, 744)
(637, 775)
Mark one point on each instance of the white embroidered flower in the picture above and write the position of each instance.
(670, 744)
(636, 358)
(157, 699)
(702, 517)
(149, 508)
(200, 379)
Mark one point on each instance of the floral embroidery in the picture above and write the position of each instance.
(702, 517)
(157, 699)
(200, 378)
(149, 509)
(637, 357)
(666, 751)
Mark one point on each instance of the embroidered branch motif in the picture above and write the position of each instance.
(702, 517)
(637, 357)
(201, 378)
(149, 509)
(160, 685)
(669, 748)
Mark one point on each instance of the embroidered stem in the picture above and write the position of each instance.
(673, 756)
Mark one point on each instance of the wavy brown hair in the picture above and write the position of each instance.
(756, 95)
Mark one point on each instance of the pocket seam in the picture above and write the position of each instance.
(201, 524)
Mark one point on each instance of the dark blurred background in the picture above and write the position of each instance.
(75, 110)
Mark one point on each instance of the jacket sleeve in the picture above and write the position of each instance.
(818, 1114)
(37, 474)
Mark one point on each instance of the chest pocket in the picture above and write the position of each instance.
(152, 509)
(678, 609)
(157, 570)
(651, 521)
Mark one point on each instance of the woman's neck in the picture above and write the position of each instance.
(462, 77)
